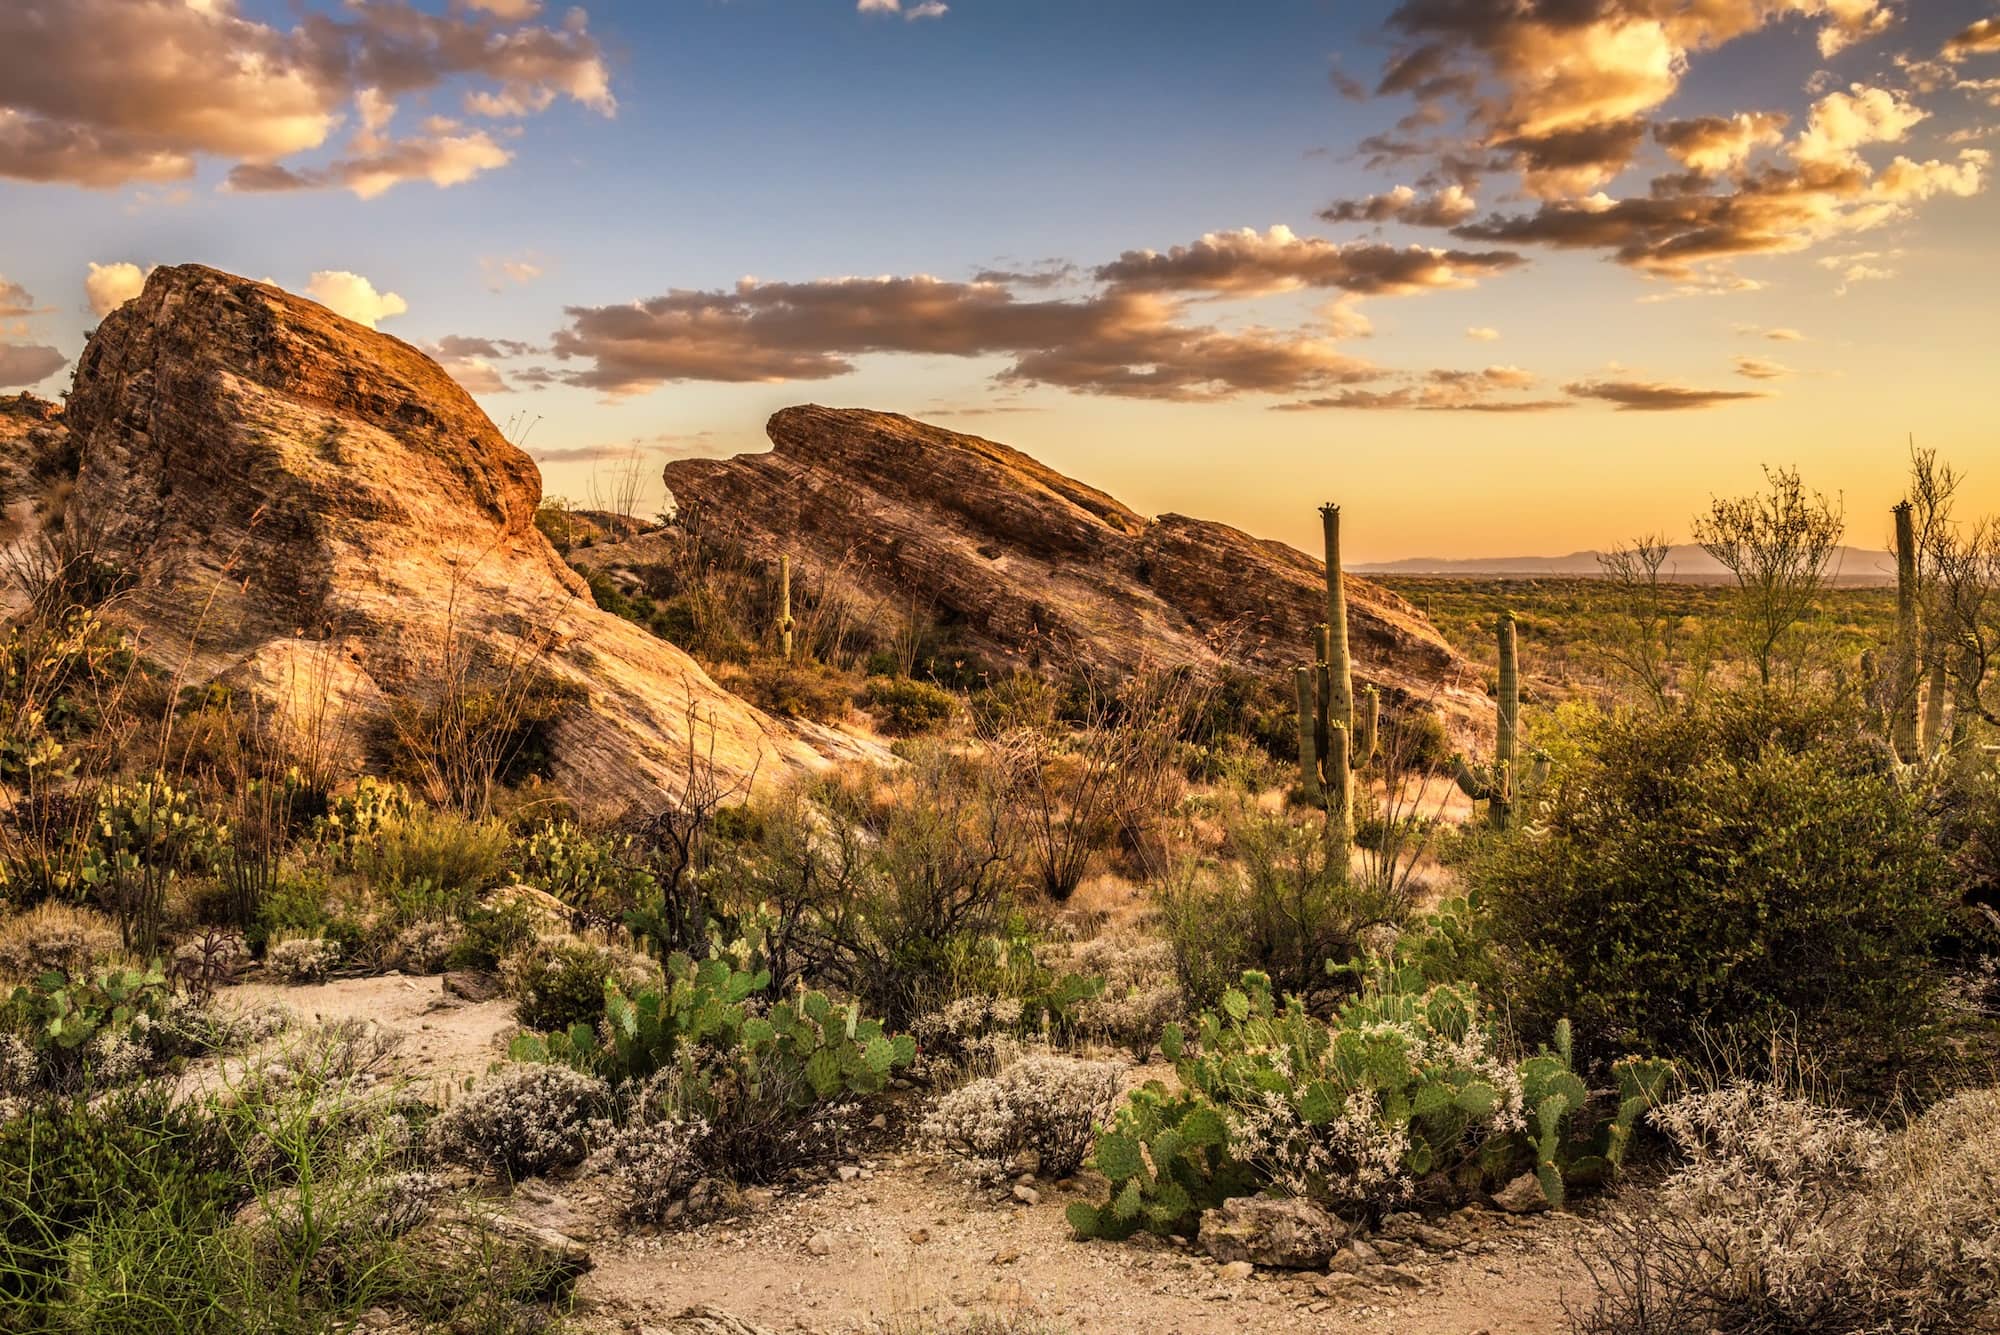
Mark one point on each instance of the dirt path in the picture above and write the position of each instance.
(907, 1247)
(446, 1041)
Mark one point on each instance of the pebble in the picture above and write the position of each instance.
(1027, 1195)
(820, 1244)
(1236, 1271)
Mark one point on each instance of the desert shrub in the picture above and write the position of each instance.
(89, 1027)
(807, 690)
(424, 947)
(301, 959)
(1403, 1091)
(558, 981)
(489, 934)
(907, 879)
(529, 1119)
(656, 1161)
(62, 938)
(445, 857)
(1047, 1105)
(1792, 1217)
(1281, 904)
(904, 707)
(1731, 865)
(1141, 994)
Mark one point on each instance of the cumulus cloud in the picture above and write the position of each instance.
(501, 271)
(107, 92)
(1567, 96)
(1246, 263)
(1981, 38)
(1442, 208)
(23, 364)
(1761, 368)
(1483, 334)
(1713, 145)
(441, 159)
(1119, 342)
(1133, 336)
(1642, 396)
(926, 9)
(109, 286)
(15, 300)
(352, 296)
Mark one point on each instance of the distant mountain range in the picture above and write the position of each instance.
(1686, 563)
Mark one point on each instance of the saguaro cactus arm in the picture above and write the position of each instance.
(785, 622)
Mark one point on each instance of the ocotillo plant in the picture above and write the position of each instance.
(1501, 784)
(1343, 737)
(785, 622)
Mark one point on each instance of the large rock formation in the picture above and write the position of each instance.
(318, 512)
(1029, 564)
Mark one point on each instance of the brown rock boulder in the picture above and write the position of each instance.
(1027, 564)
(317, 512)
(1267, 1231)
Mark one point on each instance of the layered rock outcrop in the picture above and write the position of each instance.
(1029, 565)
(316, 511)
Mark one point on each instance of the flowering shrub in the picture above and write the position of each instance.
(1789, 1216)
(1141, 995)
(657, 1161)
(1043, 1104)
(528, 1120)
(423, 947)
(301, 959)
(559, 981)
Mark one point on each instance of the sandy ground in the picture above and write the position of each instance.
(906, 1245)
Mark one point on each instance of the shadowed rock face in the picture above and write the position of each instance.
(318, 512)
(1032, 563)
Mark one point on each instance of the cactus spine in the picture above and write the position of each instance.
(1501, 784)
(1342, 734)
(785, 622)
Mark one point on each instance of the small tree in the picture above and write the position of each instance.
(1778, 545)
(1646, 639)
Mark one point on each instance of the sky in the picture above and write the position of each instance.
(1502, 277)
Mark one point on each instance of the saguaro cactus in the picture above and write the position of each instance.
(1501, 784)
(1904, 731)
(785, 622)
(1342, 735)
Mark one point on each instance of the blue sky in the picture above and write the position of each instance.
(798, 142)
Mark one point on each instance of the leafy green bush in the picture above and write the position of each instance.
(69, 1020)
(558, 983)
(905, 707)
(1280, 906)
(1403, 1090)
(450, 856)
(1736, 865)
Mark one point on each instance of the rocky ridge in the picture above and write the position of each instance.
(318, 513)
(1032, 566)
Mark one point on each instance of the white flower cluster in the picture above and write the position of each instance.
(529, 1119)
(1354, 1159)
(301, 959)
(116, 1057)
(657, 1162)
(1043, 1103)
(972, 1033)
(1141, 993)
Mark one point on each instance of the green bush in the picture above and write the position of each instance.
(452, 857)
(1279, 905)
(560, 983)
(809, 690)
(596, 875)
(905, 707)
(1736, 866)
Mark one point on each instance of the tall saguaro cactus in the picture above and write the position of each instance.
(1501, 784)
(1341, 735)
(1904, 732)
(785, 622)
